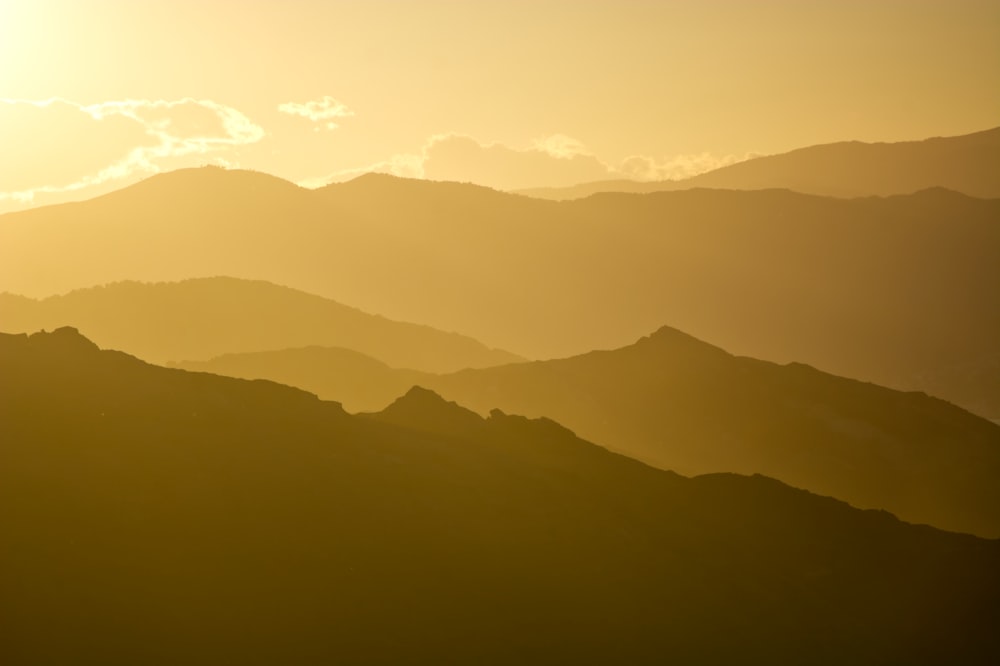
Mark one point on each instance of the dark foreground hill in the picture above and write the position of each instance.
(680, 404)
(201, 318)
(154, 516)
(897, 290)
(966, 164)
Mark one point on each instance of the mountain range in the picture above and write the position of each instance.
(202, 318)
(966, 164)
(680, 404)
(158, 516)
(895, 290)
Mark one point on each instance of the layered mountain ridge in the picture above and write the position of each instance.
(681, 404)
(895, 290)
(163, 517)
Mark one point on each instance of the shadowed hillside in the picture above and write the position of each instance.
(680, 404)
(896, 290)
(966, 164)
(164, 517)
(205, 317)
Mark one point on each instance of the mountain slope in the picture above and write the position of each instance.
(164, 517)
(894, 290)
(680, 404)
(360, 383)
(201, 318)
(966, 164)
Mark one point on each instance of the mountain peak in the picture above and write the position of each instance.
(672, 338)
(940, 193)
(423, 409)
(375, 177)
(205, 183)
(379, 184)
(426, 401)
(63, 338)
(373, 181)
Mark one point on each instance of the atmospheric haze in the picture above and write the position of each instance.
(490, 333)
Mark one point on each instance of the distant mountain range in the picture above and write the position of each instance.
(155, 516)
(202, 318)
(683, 405)
(897, 290)
(968, 164)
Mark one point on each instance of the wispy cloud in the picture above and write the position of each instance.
(560, 146)
(159, 130)
(677, 167)
(322, 110)
(553, 161)
(558, 160)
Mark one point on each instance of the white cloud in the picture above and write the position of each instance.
(142, 133)
(561, 146)
(678, 167)
(558, 160)
(318, 110)
(554, 161)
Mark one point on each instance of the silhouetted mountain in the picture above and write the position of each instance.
(156, 516)
(895, 290)
(424, 410)
(201, 318)
(966, 164)
(681, 404)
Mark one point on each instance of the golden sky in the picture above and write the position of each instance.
(95, 94)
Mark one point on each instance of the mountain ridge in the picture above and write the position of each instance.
(844, 168)
(766, 274)
(202, 317)
(678, 403)
(170, 517)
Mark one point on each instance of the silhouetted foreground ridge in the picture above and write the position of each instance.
(156, 516)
